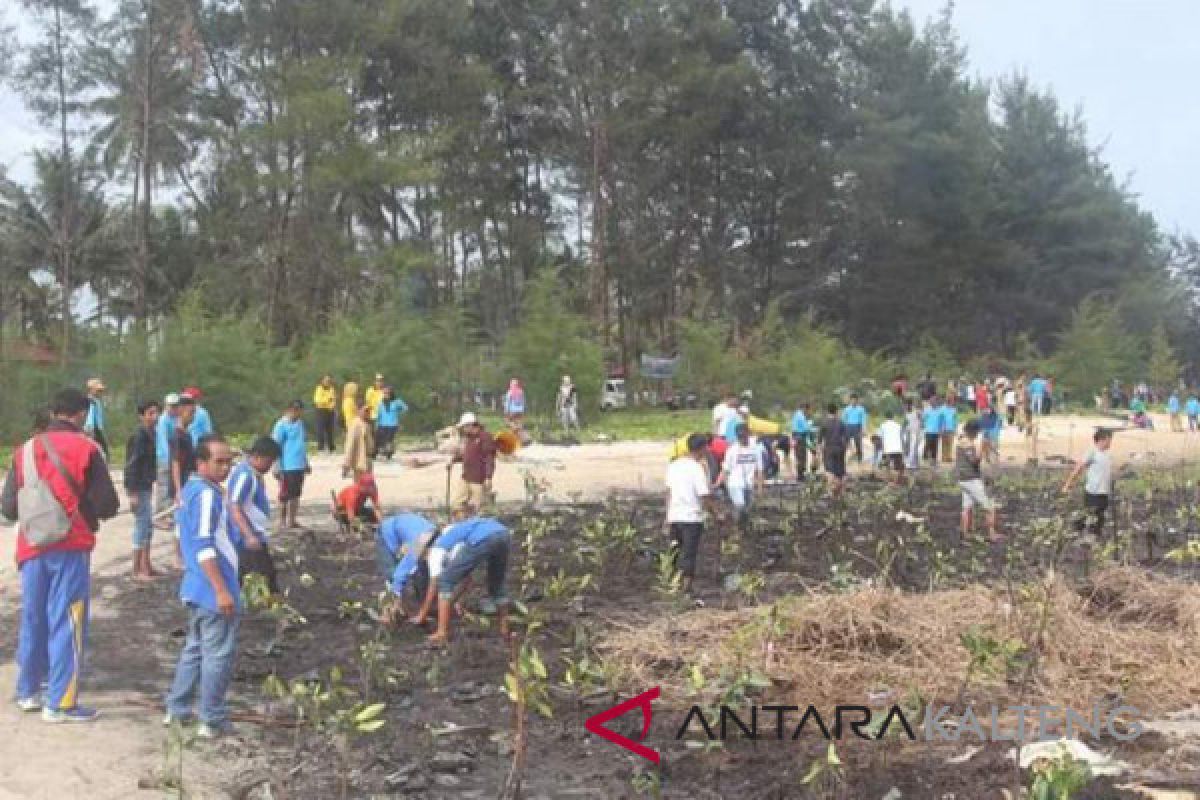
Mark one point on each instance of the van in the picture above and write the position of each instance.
(613, 394)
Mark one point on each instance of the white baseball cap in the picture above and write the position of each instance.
(467, 419)
(171, 400)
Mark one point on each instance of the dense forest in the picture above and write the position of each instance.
(645, 175)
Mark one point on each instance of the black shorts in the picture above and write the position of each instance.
(835, 464)
(895, 461)
(292, 485)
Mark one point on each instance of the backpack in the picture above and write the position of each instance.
(43, 520)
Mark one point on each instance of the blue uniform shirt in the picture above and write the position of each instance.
(1037, 387)
(163, 435)
(949, 419)
(246, 490)
(799, 423)
(932, 419)
(1173, 404)
(403, 532)
(855, 415)
(203, 535)
(201, 425)
(1193, 407)
(290, 437)
(95, 415)
(387, 414)
(472, 531)
(729, 432)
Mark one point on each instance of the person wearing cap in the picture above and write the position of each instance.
(141, 468)
(360, 501)
(401, 544)
(93, 426)
(387, 422)
(325, 404)
(201, 424)
(164, 442)
(289, 434)
(567, 404)
(742, 474)
(477, 453)
(459, 550)
(373, 395)
(360, 444)
(250, 511)
(689, 495)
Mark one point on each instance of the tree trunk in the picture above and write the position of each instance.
(601, 197)
(142, 266)
(64, 241)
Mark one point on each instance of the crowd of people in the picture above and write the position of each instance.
(60, 489)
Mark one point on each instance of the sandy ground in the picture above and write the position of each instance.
(105, 760)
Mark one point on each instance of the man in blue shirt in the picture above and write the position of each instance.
(1193, 412)
(209, 590)
(164, 452)
(400, 549)
(931, 424)
(1037, 393)
(293, 462)
(854, 417)
(949, 430)
(1173, 410)
(250, 511)
(461, 548)
(201, 424)
(731, 423)
(802, 431)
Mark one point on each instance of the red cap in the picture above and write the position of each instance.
(192, 392)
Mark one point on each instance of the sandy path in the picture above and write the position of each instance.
(104, 760)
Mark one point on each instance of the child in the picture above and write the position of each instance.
(1173, 410)
(250, 511)
(1193, 411)
(854, 418)
(949, 427)
(210, 591)
(689, 494)
(360, 501)
(1097, 487)
(931, 423)
(968, 469)
(461, 548)
(801, 432)
(141, 469)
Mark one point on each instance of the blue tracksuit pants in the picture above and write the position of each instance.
(54, 620)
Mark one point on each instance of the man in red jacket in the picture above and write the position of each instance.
(54, 578)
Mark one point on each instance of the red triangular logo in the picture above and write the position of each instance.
(596, 724)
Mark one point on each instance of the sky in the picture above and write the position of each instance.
(1130, 65)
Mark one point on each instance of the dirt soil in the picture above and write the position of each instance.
(135, 637)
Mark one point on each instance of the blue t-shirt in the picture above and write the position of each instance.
(404, 532)
(387, 414)
(1193, 407)
(949, 419)
(95, 415)
(729, 433)
(514, 402)
(204, 534)
(932, 419)
(854, 415)
(201, 425)
(1173, 404)
(800, 423)
(473, 531)
(1037, 387)
(164, 434)
(290, 436)
(246, 490)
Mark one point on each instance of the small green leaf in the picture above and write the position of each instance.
(370, 712)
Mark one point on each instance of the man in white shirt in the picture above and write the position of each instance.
(742, 473)
(721, 412)
(893, 447)
(688, 497)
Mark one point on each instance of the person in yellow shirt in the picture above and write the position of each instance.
(349, 403)
(373, 396)
(325, 403)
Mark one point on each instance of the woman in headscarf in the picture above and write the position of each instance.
(360, 445)
(349, 403)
